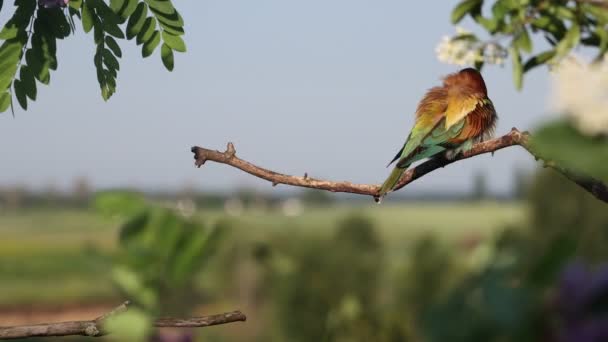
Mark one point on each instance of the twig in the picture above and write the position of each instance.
(94, 328)
(513, 138)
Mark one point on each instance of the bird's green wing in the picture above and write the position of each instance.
(432, 143)
(422, 128)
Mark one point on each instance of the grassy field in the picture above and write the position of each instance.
(58, 256)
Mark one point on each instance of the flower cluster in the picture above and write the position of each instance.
(581, 92)
(465, 49)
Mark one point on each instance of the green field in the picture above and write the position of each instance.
(64, 256)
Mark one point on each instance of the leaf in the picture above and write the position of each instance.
(28, 82)
(174, 19)
(523, 41)
(174, 42)
(118, 203)
(87, 17)
(517, 67)
(9, 31)
(151, 44)
(134, 227)
(161, 6)
(570, 40)
(113, 29)
(38, 66)
(109, 60)
(117, 5)
(567, 147)
(176, 31)
(132, 325)
(75, 4)
(5, 101)
(113, 45)
(539, 59)
(600, 13)
(20, 94)
(136, 21)
(166, 54)
(147, 31)
(127, 10)
(463, 8)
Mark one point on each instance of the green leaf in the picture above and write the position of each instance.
(38, 66)
(109, 60)
(28, 82)
(5, 101)
(176, 31)
(136, 21)
(174, 42)
(161, 6)
(113, 45)
(124, 203)
(570, 40)
(463, 8)
(75, 4)
(523, 41)
(517, 67)
(113, 29)
(9, 31)
(134, 227)
(117, 5)
(132, 325)
(539, 59)
(87, 17)
(174, 19)
(600, 13)
(147, 31)
(166, 54)
(564, 12)
(563, 144)
(20, 94)
(151, 44)
(127, 10)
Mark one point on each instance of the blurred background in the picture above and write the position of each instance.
(100, 202)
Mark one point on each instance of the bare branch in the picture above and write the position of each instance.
(513, 138)
(94, 328)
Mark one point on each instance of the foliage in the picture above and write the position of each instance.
(564, 25)
(161, 254)
(333, 283)
(28, 50)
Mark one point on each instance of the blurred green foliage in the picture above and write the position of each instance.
(161, 254)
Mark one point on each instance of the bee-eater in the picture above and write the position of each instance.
(449, 120)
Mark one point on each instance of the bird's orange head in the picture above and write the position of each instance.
(468, 79)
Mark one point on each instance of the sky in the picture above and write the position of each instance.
(323, 87)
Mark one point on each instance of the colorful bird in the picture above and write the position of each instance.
(449, 119)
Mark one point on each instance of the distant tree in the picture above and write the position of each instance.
(480, 186)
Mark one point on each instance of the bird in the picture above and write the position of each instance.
(450, 119)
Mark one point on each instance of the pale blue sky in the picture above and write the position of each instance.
(324, 87)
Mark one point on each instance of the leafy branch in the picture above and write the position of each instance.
(563, 24)
(29, 51)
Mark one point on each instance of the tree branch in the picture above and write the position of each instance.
(513, 138)
(94, 328)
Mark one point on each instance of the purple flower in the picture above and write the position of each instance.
(52, 3)
(580, 294)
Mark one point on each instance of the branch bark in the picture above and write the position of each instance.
(94, 328)
(513, 138)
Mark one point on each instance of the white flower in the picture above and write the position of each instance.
(581, 92)
(465, 49)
